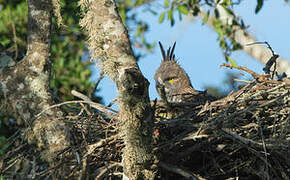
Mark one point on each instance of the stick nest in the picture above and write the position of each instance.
(244, 135)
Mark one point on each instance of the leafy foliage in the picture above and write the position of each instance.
(259, 5)
(13, 20)
(224, 32)
(134, 23)
(171, 8)
(69, 70)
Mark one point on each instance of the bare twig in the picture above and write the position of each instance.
(105, 170)
(242, 80)
(101, 77)
(265, 42)
(103, 109)
(255, 75)
(101, 142)
(14, 38)
(250, 142)
(97, 106)
(180, 171)
(271, 61)
(263, 143)
(113, 102)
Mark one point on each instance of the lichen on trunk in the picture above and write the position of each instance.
(25, 86)
(136, 118)
(108, 42)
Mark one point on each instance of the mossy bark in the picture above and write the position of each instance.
(24, 87)
(109, 43)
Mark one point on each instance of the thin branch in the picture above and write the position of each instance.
(91, 148)
(249, 142)
(113, 102)
(14, 38)
(271, 61)
(263, 143)
(243, 37)
(101, 77)
(105, 170)
(265, 42)
(180, 171)
(255, 75)
(97, 106)
(93, 104)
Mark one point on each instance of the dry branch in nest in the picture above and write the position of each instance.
(244, 135)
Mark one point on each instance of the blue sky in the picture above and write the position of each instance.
(197, 49)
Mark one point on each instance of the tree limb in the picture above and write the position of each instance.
(25, 86)
(108, 42)
(243, 37)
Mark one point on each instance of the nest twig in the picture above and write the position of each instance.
(244, 135)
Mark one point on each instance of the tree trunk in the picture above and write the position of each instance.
(24, 86)
(108, 41)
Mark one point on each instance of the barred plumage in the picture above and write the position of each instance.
(172, 82)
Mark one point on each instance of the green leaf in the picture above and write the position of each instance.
(233, 63)
(227, 9)
(222, 42)
(204, 20)
(139, 2)
(166, 3)
(216, 13)
(170, 14)
(122, 12)
(128, 2)
(219, 30)
(236, 46)
(259, 5)
(172, 22)
(153, 12)
(183, 9)
(170, 17)
(180, 15)
(138, 31)
(196, 10)
(228, 2)
(161, 17)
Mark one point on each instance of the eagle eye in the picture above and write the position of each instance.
(171, 79)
